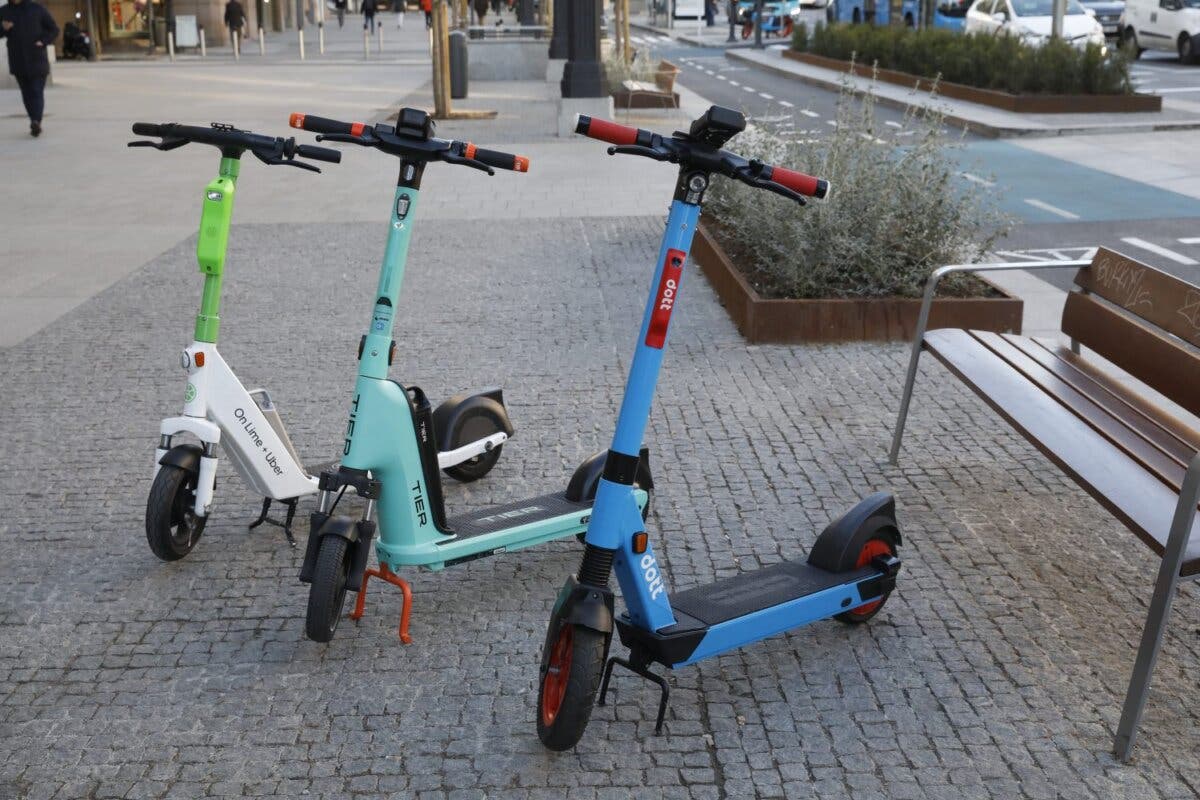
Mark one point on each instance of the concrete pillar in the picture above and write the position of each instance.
(583, 75)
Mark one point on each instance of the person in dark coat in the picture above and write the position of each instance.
(340, 7)
(29, 28)
(235, 17)
(368, 8)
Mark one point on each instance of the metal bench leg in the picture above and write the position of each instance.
(911, 377)
(1160, 610)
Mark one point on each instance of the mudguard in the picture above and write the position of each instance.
(579, 604)
(838, 546)
(322, 525)
(487, 403)
(586, 478)
(184, 456)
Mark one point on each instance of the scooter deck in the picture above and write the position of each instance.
(745, 608)
(518, 512)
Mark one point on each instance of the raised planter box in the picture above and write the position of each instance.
(623, 99)
(1019, 103)
(764, 321)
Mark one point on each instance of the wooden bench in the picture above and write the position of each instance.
(659, 94)
(1140, 462)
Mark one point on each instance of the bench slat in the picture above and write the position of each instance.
(1136, 412)
(1155, 296)
(1143, 352)
(1101, 420)
(1118, 482)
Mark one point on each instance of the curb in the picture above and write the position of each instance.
(974, 126)
(686, 39)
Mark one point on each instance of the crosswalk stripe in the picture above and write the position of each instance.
(1178, 258)
(1044, 206)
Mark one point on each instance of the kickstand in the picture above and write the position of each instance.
(639, 666)
(287, 522)
(395, 580)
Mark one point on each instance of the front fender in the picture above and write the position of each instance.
(319, 526)
(582, 605)
(184, 456)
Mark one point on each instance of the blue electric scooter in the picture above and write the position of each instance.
(849, 574)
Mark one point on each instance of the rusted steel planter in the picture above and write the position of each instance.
(1019, 103)
(762, 321)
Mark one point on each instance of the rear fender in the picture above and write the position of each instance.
(838, 546)
(586, 478)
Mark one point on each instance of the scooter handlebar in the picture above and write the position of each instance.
(319, 153)
(313, 124)
(607, 131)
(147, 129)
(798, 182)
(496, 158)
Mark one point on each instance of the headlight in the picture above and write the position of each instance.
(795, 13)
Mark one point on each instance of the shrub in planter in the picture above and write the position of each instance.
(987, 62)
(897, 211)
(641, 68)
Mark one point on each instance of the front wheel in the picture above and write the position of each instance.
(568, 688)
(875, 546)
(327, 593)
(172, 526)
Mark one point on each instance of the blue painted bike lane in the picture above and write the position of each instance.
(1039, 188)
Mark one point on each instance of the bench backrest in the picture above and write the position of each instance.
(1145, 326)
(664, 76)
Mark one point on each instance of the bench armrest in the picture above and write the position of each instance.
(923, 323)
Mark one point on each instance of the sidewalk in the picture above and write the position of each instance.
(1177, 115)
(984, 677)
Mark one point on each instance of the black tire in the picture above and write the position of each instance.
(876, 545)
(470, 427)
(856, 17)
(1187, 49)
(909, 22)
(172, 527)
(1129, 41)
(563, 728)
(327, 593)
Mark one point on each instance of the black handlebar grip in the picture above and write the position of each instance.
(322, 125)
(319, 153)
(496, 158)
(147, 129)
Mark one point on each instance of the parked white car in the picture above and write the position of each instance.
(1032, 21)
(1171, 25)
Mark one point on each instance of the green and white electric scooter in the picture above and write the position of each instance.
(219, 410)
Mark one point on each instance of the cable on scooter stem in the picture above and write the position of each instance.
(232, 142)
(411, 138)
(684, 148)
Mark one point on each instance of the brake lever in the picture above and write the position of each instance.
(450, 158)
(277, 161)
(165, 144)
(638, 150)
(781, 190)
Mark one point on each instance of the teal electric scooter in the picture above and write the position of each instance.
(390, 457)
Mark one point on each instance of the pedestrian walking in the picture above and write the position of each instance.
(368, 9)
(28, 27)
(427, 7)
(235, 18)
(710, 10)
(869, 11)
(400, 4)
(340, 7)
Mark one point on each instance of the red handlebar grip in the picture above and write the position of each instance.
(799, 182)
(606, 131)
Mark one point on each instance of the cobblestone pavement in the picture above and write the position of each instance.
(996, 671)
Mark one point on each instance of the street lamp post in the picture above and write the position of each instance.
(583, 75)
(732, 19)
(559, 35)
(758, 17)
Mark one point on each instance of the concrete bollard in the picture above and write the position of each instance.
(366, 43)
(203, 45)
(237, 46)
(321, 37)
(300, 36)
(380, 31)
(171, 46)
(262, 42)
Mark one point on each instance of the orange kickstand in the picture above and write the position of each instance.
(394, 580)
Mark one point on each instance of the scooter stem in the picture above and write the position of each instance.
(212, 244)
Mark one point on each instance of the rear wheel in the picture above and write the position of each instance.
(172, 527)
(1129, 41)
(875, 546)
(472, 426)
(327, 593)
(568, 689)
